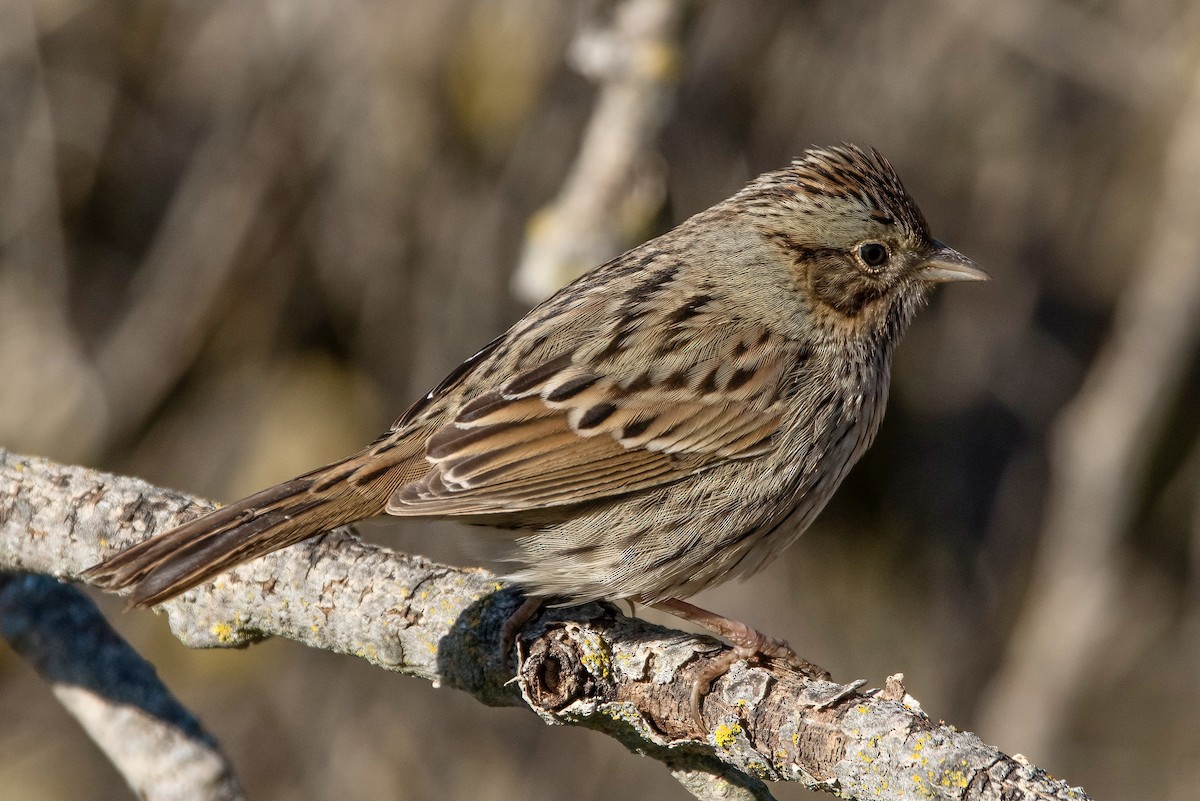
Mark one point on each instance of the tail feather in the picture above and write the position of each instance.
(190, 554)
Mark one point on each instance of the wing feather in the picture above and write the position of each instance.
(581, 427)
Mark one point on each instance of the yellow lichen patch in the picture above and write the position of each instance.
(726, 734)
(954, 778)
(595, 656)
(625, 713)
(223, 632)
(923, 788)
(597, 663)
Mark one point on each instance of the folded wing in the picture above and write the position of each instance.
(581, 427)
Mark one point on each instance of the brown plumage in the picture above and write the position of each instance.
(670, 420)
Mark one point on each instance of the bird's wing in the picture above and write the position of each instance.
(589, 424)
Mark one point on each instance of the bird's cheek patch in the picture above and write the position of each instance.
(843, 288)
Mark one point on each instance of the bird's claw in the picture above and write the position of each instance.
(516, 621)
(761, 649)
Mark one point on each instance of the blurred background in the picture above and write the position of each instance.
(238, 238)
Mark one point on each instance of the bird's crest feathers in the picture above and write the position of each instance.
(841, 173)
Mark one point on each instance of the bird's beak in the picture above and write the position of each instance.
(947, 264)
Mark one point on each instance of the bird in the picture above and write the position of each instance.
(670, 420)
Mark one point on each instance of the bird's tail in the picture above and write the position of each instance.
(177, 560)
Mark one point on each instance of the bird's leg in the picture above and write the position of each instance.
(522, 615)
(748, 643)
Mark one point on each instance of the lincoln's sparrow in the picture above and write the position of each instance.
(670, 420)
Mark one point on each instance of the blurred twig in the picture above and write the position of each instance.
(616, 185)
(194, 256)
(1078, 43)
(586, 665)
(1101, 445)
(31, 235)
(49, 388)
(156, 744)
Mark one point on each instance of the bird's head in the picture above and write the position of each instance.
(857, 243)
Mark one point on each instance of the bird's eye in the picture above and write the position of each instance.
(873, 254)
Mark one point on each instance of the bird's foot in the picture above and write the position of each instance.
(748, 644)
(516, 621)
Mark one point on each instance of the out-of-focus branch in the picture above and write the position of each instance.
(155, 743)
(586, 665)
(1101, 446)
(616, 183)
(1079, 44)
(50, 390)
(31, 235)
(194, 255)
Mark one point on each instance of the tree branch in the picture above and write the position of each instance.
(585, 665)
(616, 184)
(153, 741)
